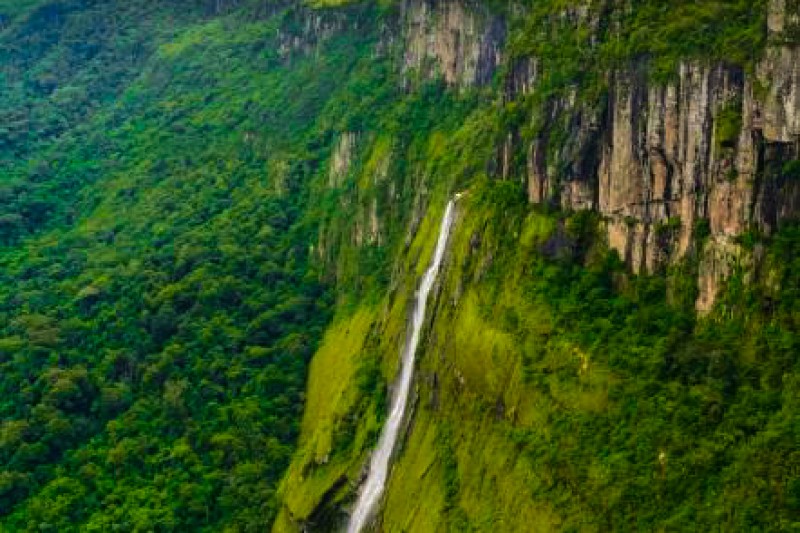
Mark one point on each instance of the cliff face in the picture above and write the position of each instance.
(670, 164)
(673, 157)
(461, 41)
(678, 169)
(684, 171)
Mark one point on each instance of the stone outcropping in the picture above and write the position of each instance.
(459, 40)
(342, 159)
(677, 170)
(668, 164)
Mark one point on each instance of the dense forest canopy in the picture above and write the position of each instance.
(196, 196)
(157, 302)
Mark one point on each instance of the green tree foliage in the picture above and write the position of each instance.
(158, 301)
(698, 423)
(164, 186)
(160, 289)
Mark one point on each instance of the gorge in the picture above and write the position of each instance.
(221, 221)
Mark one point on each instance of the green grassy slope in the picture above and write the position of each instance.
(567, 397)
(554, 392)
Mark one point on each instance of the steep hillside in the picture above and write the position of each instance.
(157, 302)
(214, 218)
(555, 389)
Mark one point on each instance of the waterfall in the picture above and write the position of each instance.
(372, 490)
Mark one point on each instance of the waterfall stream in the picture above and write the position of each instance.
(373, 488)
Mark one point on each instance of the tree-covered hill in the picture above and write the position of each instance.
(157, 302)
(214, 215)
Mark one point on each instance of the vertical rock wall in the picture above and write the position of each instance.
(677, 170)
(458, 40)
(706, 151)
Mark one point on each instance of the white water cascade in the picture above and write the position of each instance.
(372, 490)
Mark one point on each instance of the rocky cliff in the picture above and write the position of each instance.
(686, 166)
(706, 154)
(463, 42)
(680, 168)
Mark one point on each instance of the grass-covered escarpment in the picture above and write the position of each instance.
(555, 392)
(558, 394)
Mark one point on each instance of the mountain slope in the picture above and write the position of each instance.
(215, 215)
(555, 390)
(158, 306)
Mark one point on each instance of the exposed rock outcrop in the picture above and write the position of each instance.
(342, 158)
(305, 29)
(678, 170)
(705, 151)
(460, 40)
